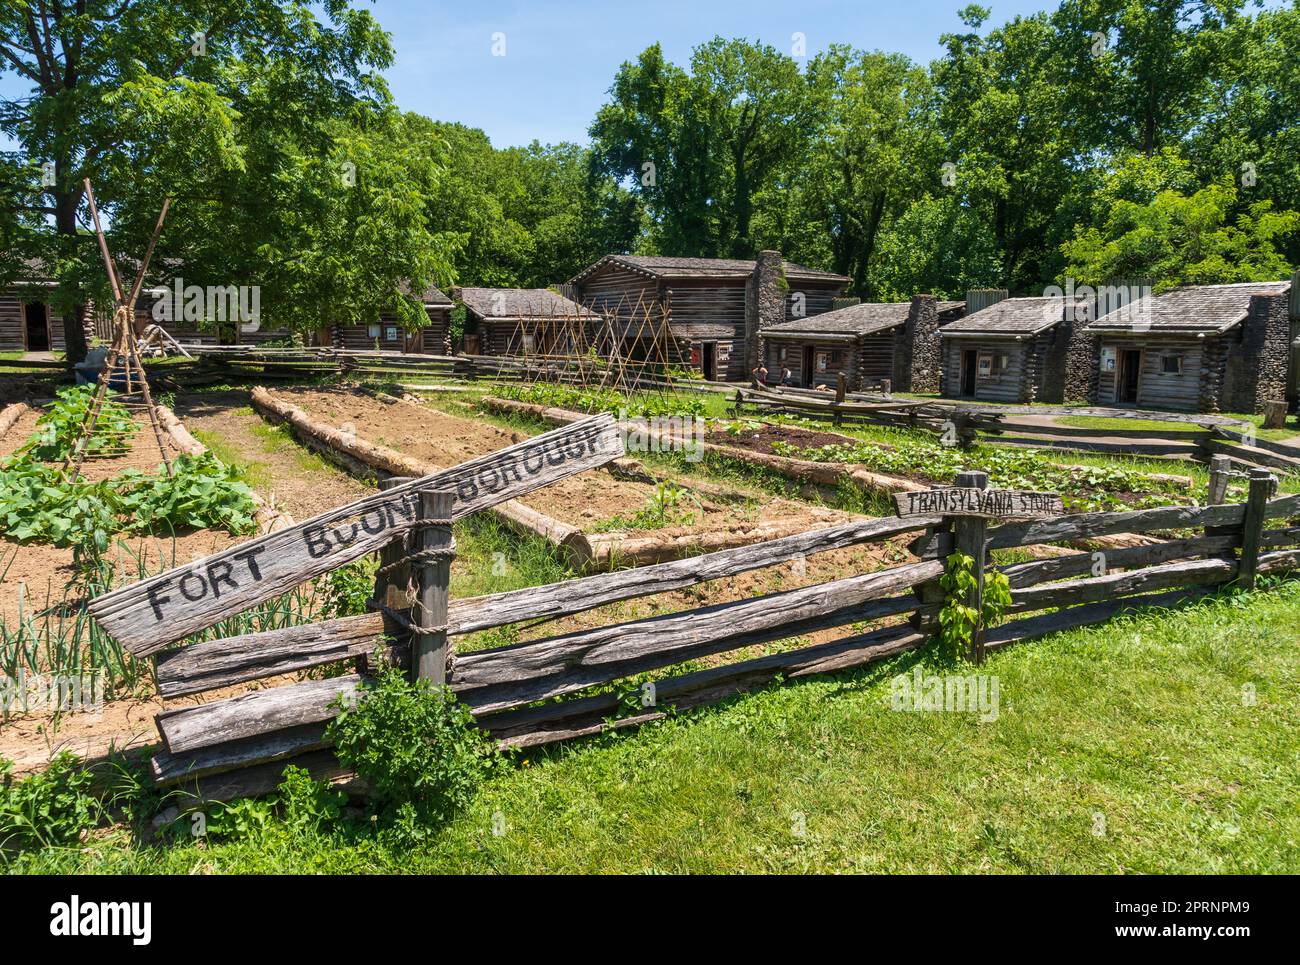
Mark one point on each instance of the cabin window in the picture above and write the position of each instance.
(837, 356)
(390, 333)
(373, 331)
(781, 355)
(985, 365)
(530, 343)
(1171, 364)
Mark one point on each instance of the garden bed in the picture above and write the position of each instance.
(35, 575)
(615, 519)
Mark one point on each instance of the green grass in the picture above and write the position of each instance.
(1159, 427)
(1142, 722)
(1156, 426)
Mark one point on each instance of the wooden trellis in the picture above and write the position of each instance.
(123, 357)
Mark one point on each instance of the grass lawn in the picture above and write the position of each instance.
(1170, 428)
(1161, 743)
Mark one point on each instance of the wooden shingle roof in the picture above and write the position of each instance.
(511, 304)
(865, 318)
(433, 296)
(1196, 309)
(1014, 318)
(663, 266)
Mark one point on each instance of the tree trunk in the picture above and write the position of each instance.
(65, 221)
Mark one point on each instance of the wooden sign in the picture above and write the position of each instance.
(148, 615)
(989, 503)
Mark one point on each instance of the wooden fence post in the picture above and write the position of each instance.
(392, 581)
(434, 550)
(1220, 470)
(1274, 413)
(970, 535)
(1252, 527)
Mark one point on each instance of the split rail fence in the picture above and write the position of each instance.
(1212, 434)
(541, 691)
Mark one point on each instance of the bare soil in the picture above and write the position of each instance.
(584, 500)
(298, 490)
(764, 437)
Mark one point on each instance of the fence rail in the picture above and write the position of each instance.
(532, 693)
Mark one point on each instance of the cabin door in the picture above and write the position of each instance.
(38, 327)
(1130, 376)
(808, 373)
(709, 360)
(968, 363)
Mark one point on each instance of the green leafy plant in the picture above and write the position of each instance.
(665, 507)
(309, 805)
(957, 620)
(416, 746)
(60, 424)
(346, 591)
(37, 504)
(644, 404)
(240, 819)
(53, 807)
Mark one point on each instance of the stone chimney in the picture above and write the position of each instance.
(1258, 371)
(765, 295)
(917, 353)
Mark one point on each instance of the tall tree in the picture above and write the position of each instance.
(156, 97)
(699, 146)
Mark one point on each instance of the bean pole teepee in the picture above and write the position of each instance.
(124, 354)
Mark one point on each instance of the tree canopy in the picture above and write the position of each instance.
(1132, 137)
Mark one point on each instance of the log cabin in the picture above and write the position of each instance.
(875, 344)
(526, 321)
(1014, 351)
(715, 307)
(1202, 348)
(387, 333)
(28, 322)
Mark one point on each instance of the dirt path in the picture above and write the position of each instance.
(297, 483)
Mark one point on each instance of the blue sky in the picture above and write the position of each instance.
(561, 56)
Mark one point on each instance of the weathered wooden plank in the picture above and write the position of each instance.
(218, 663)
(148, 615)
(1281, 448)
(1183, 574)
(264, 778)
(971, 501)
(269, 653)
(1254, 455)
(1078, 616)
(170, 768)
(508, 676)
(249, 715)
(1060, 567)
(1286, 507)
(1086, 525)
(1252, 526)
(535, 726)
